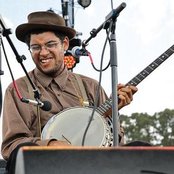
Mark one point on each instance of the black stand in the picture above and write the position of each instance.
(110, 23)
(5, 33)
(1, 73)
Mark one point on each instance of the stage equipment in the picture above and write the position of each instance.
(84, 3)
(70, 59)
(1, 73)
(76, 160)
(109, 25)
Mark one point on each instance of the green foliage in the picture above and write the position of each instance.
(157, 129)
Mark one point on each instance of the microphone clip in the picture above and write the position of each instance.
(44, 105)
(36, 102)
(77, 51)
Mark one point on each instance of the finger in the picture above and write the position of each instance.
(134, 89)
(122, 86)
(124, 99)
(119, 86)
(127, 93)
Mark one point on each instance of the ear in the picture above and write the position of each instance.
(66, 43)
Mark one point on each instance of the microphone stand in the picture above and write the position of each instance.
(1, 73)
(113, 61)
(110, 22)
(6, 32)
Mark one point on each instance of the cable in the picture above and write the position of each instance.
(102, 58)
(44, 105)
(14, 82)
(96, 99)
(0, 97)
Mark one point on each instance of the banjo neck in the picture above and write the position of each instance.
(105, 108)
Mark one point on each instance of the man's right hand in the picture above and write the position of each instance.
(58, 143)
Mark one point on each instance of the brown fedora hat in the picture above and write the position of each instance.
(44, 20)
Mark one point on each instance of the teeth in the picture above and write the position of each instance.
(45, 60)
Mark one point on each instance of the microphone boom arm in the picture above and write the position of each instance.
(111, 16)
(6, 32)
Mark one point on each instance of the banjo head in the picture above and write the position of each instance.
(70, 125)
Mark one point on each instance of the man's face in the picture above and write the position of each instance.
(48, 52)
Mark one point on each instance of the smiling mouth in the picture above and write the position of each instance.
(46, 60)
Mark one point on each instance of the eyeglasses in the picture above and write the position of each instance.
(35, 48)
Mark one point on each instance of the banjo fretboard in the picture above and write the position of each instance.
(107, 105)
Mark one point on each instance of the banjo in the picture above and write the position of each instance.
(70, 124)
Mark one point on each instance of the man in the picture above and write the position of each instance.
(47, 38)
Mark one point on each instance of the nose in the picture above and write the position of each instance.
(44, 51)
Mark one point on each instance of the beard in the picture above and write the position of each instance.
(54, 71)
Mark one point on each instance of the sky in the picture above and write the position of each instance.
(144, 30)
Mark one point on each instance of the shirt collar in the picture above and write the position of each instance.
(60, 80)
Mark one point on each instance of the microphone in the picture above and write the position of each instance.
(44, 105)
(77, 51)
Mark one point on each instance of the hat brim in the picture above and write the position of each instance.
(24, 29)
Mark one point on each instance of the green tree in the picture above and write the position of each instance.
(157, 129)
